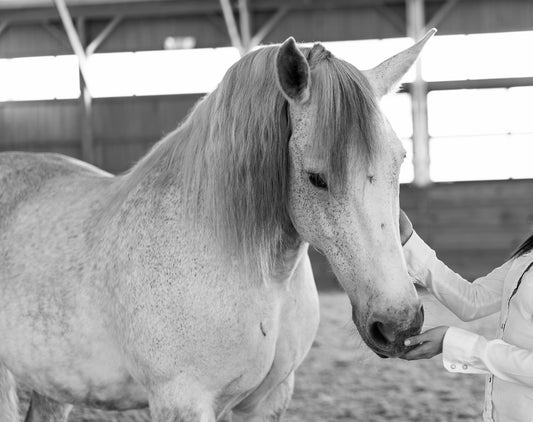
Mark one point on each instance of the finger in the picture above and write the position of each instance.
(415, 340)
(423, 351)
(428, 335)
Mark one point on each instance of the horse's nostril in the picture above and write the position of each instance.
(381, 335)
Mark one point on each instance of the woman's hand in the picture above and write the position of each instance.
(426, 345)
(406, 227)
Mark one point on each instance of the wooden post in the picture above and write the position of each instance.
(421, 158)
(78, 41)
(88, 148)
(246, 26)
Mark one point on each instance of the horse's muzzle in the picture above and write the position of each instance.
(386, 336)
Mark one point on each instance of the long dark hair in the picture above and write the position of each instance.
(524, 248)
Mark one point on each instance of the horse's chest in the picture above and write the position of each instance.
(293, 333)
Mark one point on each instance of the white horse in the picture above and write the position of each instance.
(185, 284)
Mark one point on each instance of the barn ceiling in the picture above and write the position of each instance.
(33, 27)
(20, 4)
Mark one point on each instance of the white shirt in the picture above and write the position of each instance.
(508, 359)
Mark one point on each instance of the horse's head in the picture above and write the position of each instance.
(344, 188)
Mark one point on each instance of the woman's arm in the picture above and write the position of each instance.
(466, 300)
(469, 353)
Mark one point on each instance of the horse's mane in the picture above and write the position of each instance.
(230, 156)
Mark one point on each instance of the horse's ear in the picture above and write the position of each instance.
(293, 72)
(385, 76)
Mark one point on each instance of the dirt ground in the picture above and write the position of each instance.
(342, 380)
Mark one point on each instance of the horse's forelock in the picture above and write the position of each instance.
(346, 125)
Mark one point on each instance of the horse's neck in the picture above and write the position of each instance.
(288, 259)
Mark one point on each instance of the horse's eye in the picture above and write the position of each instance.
(317, 180)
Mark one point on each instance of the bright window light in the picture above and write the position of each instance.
(159, 72)
(467, 112)
(455, 57)
(397, 109)
(480, 111)
(519, 109)
(365, 54)
(39, 78)
(481, 134)
(481, 158)
(478, 56)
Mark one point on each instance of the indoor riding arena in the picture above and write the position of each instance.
(103, 81)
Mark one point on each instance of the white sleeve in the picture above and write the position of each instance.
(469, 353)
(466, 300)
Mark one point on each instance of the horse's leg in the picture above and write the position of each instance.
(180, 402)
(8, 396)
(44, 409)
(270, 409)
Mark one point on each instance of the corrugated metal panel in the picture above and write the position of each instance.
(487, 16)
(31, 40)
(328, 21)
(331, 25)
(39, 124)
(18, 4)
(125, 128)
(474, 226)
(141, 34)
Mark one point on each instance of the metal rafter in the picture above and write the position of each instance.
(78, 40)
(397, 21)
(88, 150)
(439, 16)
(268, 26)
(246, 26)
(3, 26)
(74, 39)
(231, 25)
(103, 35)
(473, 84)
(56, 34)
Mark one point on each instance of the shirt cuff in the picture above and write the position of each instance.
(462, 351)
(417, 257)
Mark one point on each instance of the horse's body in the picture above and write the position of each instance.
(69, 341)
(185, 284)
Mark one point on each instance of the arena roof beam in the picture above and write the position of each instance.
(245, 22)
(103, 35)
(78, 40)
(3, 27)
(397, 21)
(56, 34)
(473, 84)
(74, 38)
(231, 25)
(88, 147)
(439, 16)
(268, 26)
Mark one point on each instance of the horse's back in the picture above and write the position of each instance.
(23, 175)
(46, 201)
